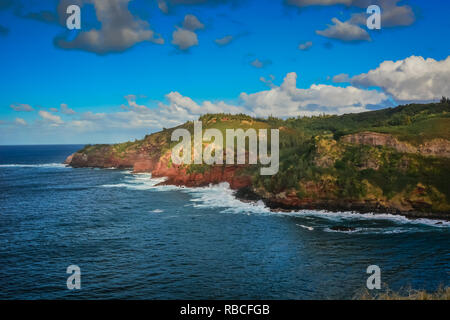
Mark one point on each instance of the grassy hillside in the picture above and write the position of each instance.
(317, 165)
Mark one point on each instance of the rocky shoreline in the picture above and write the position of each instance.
(242, 185)
(246, 194)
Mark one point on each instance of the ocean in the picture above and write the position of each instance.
(133, 239)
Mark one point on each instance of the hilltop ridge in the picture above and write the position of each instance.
(394, 160)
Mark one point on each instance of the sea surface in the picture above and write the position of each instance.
(133, 239)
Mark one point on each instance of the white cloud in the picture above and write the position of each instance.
(66, 110)
(392, 15)
(284, 101)
(411, 79)
(287, 100)
(305, 46)
(54, 119)
(192, 23)
(341, 78)
(90, 116)
(177, 110)
(22, 107)
(186, 105)
(344, 31)
(132, 105)
(20, 121)
(119, 30)
(184, 39)
(224, 41)
(260, 63)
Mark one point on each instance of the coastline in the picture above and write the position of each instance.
(245, 193)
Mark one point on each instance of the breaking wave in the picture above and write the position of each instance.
(220, 196)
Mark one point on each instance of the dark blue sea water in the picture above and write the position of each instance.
(133, 239)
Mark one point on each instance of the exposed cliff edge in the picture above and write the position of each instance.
(392, 161)
(435, 147)
(160, 166)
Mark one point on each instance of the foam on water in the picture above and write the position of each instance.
(141, 181)
(220, 196)
(374, 230)
(306, 227)
(349, 216)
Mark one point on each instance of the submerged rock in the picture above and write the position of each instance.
(342, 228)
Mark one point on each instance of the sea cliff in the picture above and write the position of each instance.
(386, 161)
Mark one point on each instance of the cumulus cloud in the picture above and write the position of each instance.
(22, 107)
(411, 79)
(192, 23)
(176, 110)
(54, 119)
(287, 100)
(283, 100)
(133, 106)
(20, 121)
(344, 31)
(392, 15)
(66, 110)
(120, 30)
(224, 41)
(181, 108)
(341, 78)
(184, 39)
(305, 46)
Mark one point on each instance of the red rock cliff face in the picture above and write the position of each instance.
(109, 160)
(178, 175)
(161, 167)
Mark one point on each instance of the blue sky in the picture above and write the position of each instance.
(128, 83)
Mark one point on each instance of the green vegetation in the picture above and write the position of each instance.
(315, 163)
